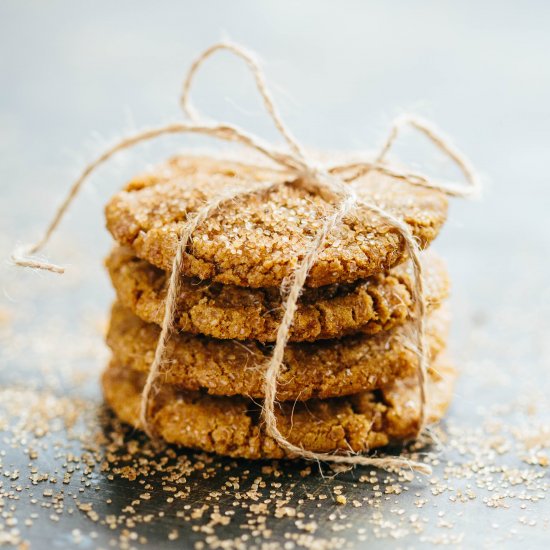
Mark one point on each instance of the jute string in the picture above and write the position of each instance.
(329, 180)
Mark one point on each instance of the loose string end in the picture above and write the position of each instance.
(387, 463)
(422, 468)
(20, 257)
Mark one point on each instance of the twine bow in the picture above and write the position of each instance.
(329, 180)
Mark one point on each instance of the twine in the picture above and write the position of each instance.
(326, 180)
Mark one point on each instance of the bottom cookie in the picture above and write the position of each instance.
(233, 426)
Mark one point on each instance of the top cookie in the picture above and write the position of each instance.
(257, 240)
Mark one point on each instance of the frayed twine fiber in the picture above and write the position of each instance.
(324, 179)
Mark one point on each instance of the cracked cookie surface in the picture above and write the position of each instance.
(232, 426)
(257, 240)
(232, 312)
(227, 367)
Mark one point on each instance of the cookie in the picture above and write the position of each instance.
(233, 426)
(228, 311)
(257, 240)
(229, 367)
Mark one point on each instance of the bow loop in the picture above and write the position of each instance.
(473, 185)
(254, 66)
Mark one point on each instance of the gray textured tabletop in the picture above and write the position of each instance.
(76, 76)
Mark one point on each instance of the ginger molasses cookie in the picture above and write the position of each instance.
(228, 311)
(232, 425)
(257, 240)
(230, 367)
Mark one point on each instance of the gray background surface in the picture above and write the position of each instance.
(77, 75)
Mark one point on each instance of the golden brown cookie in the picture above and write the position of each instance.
(258, 239)
(228, 367)
(232, 425)
(228, 311)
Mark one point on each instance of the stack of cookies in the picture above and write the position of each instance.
(349, 381)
